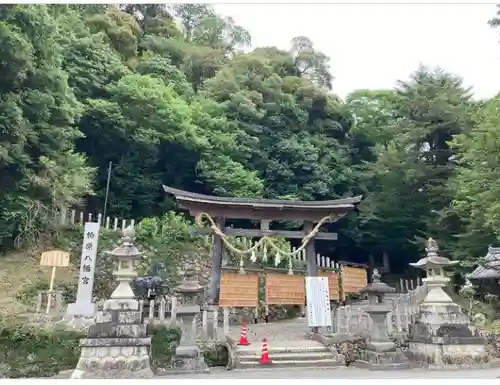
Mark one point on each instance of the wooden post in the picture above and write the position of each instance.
(204, 324)
(312, 270)
(151, 311)
(371, 263)
(173, 311)
(217, 250)
(162, 311)
(385, 261)
(51, 288)
(39, 302)
(225, 320)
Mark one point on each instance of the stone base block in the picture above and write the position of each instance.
(189, 358)
(448, 356)
(83, 309)
(108, 358)
(373, 360)
(78, 322)
(112, 374)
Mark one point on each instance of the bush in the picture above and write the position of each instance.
(34, 352)
(216, 354)
(163, 345)
(29, 352)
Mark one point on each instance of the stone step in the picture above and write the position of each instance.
(303, 354)
(289, 363)
(312, 356)
(255, 349)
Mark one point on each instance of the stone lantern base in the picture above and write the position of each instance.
(188, 360)
(441, 337)
(382, 356)
(117, 346)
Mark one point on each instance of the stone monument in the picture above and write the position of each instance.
(188, 357)
(441, 335)
(118, 344)
(380, 352)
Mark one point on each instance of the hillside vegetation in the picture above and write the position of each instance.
(177, 95)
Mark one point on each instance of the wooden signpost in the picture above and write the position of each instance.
(353, 279)
(333, 284)
(54, 259)
(239, 290)
(284, 289)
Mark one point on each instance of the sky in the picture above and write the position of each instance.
(373, 45)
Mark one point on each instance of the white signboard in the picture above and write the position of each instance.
(84, 305)
(318, 302)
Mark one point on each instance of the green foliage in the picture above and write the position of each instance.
(167, 94)
(163, 345)
(34, 352)
(215, 354)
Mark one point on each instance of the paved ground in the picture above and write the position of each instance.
(344, 373)
(278, 333)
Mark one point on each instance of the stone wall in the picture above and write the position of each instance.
(492, 342)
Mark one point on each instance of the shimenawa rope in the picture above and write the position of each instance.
(264, 240)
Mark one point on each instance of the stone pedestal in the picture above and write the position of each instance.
(441, 336)
(188, 356)
(117, 346)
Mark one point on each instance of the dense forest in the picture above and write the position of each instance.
(176, 95)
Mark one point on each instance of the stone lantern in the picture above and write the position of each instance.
(440, 335)
(434, 266)
(188, 357)
(380, 352)
(118, 344)
(126, 258)
(378, 309)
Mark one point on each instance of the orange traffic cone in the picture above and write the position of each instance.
(243, 336)
(264, 358)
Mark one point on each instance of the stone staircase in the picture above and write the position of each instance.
(306, 354)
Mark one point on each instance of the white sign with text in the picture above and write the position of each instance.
(84, 305)
(318, 302)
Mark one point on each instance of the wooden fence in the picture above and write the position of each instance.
(74, 218)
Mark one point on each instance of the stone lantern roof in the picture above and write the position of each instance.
(433, 260)
(127, 248)
(190, 283)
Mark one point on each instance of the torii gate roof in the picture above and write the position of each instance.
(257, 208)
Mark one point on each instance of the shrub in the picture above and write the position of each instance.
(30, 352)
(44, 352)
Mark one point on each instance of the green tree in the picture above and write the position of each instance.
(37, 114)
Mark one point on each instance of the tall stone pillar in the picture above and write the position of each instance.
(118, 344)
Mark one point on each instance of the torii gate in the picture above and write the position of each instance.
(264, 210)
